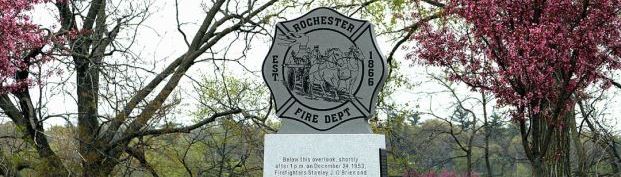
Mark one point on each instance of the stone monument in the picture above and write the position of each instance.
(324, 71)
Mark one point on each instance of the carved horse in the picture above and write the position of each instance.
(324, 72)
(349, 70)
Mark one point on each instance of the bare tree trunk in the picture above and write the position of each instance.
(488, 165)
(580, 152)
(469, 162)
(27, 121)
(87, 79)
(556, 160)
(548, 147)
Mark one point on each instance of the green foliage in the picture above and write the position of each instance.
(229, 148)
(220, 94)
(427, 146)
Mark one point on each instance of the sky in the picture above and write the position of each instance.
(158, 42)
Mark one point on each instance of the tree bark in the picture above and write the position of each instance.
(469, 162)
(27, 121)
(548, 150)
(580, 152)
(488, 165)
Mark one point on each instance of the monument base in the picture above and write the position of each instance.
(321, 155)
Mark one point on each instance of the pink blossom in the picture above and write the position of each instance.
(19, 37)
(526, 52)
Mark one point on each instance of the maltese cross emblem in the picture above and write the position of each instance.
(324, 70)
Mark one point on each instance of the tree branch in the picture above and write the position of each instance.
(434, 3)
(92, 14)
(185, 38)
(206, 23)
(411, 29)
(185, 129)
(616, 84)
(11, 110)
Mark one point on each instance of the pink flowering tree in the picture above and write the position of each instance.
(537, 57)
(22, 47)
(21, 44)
